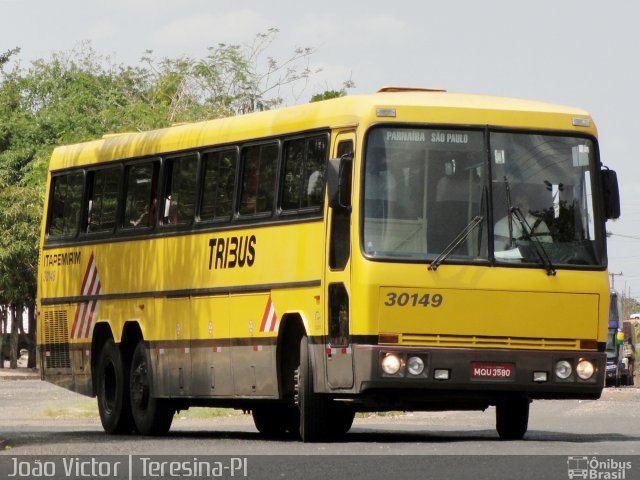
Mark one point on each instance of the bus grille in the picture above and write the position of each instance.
(478, 341)
(56, 339)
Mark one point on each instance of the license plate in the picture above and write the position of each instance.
(492, 371)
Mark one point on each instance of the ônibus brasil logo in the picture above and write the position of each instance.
(593, 468)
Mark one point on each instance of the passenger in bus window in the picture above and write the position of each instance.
(170, 210)
(457, 201)
(314, 188)
(454, 185)
(89, 217)
(146, 216)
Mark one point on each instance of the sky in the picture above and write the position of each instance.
(580, 53)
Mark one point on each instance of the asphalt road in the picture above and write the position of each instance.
(38, 419)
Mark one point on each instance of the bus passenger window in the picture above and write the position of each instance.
(141, 201)
(66, 200)
(180, 190)
(304, 170)
(103, 200)
(258, 179)
(219, 182)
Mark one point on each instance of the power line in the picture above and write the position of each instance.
(633, 237)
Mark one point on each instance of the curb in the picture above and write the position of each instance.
(19, 374)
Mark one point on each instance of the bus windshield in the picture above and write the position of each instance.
(424, 186)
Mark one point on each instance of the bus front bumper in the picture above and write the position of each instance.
(449, 374)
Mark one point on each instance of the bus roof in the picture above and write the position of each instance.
(390, 104)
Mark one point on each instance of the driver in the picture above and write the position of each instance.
(506, 236)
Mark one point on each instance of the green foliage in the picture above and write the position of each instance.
(229, 80)
(19, 231)
(329, 94)
(629, 306)
(6, 56)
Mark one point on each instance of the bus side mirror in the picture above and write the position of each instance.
(339, 182)
(610, 194)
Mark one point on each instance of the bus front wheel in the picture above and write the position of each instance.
(313, 407)
(512, 418)
(276, 420)
(341, 418)
(112, 378)
(152, 416)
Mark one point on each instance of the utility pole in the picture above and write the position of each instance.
(613, 280)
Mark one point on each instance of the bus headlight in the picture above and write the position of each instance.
(415, 365)
(391, 364)
(563, 369)
(585, 369)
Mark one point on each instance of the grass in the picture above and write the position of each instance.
(89, 409)
(379, 414)
(82, 409)
(208, 412)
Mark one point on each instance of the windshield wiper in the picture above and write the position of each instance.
(507, 189)
(456, 242)
(540, 251)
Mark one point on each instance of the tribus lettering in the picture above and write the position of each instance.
(232, 252)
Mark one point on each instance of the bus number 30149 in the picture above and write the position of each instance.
(403, 299)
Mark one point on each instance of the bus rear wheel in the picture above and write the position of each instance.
(512, 418)
(152, 416)
(112, 379)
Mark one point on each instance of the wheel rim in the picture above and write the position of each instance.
(140, 386)
(109, 388)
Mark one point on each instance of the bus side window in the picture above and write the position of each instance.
(304, 170)
(141, 200)
(180, 190)
(102, 206)
(219, 184)
(66, 201)
(258, 179)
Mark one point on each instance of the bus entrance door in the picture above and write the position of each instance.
(338, 353)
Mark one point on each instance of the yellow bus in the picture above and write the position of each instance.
(411, 249)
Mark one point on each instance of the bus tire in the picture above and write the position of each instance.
(312, 406)
(340, 418)
(512, 418)
(276, 420)
(112, 380)
(152, 416)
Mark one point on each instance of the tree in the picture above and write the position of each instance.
(19, 231)
(329, 94)
(6, 56)
(229, 80)
(629, 306)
